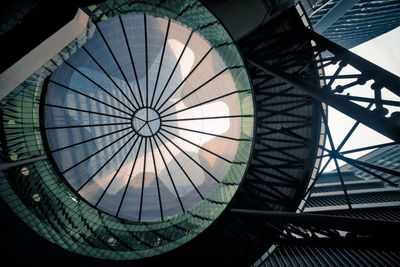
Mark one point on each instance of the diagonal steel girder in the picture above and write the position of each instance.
(386, 126)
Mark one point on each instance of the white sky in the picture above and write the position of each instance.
(385, 52)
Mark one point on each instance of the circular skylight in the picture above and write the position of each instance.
(144, 121)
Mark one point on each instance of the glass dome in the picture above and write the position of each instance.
(145, 120)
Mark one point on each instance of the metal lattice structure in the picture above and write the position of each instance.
(335, 91)
(259, 202)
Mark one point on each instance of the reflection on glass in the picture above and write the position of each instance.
(144, 121)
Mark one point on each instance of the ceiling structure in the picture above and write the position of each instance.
(136, 140)
(145, 120)
(147, 124)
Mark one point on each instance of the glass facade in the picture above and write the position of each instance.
(145, 120)
(362, 22)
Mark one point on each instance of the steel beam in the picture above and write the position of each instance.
(334, 14)
(6, 165)
(368, 70)
(386, 126)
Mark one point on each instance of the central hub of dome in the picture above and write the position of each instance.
(146, 122)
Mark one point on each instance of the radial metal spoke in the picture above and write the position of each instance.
(156, 174)
(98, 85)
(186, 154)
(141, 127)
(92, 98)
(184, 80)
(209, 151)
(206, 133)
(87, 111)
(119, 168)
(209, 118)
(97, 152)
(130, 177)
(205, 102)
(173, 70)
(86, 125)
(116, 61)
(133, 64)
(108, 76)
(85, 183)
(180, 166)
(151, 131)
(195, 90)
(147, 72)
(169, 175)
(143, 177)
(145, 121)
(89, 140)
(161, 62)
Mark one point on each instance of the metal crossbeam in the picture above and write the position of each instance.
(325, 230)
(333, 14)
(390, 127)
(7, 165)
(295, 57)
(275, 59)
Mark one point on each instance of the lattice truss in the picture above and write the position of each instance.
(283, 55)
